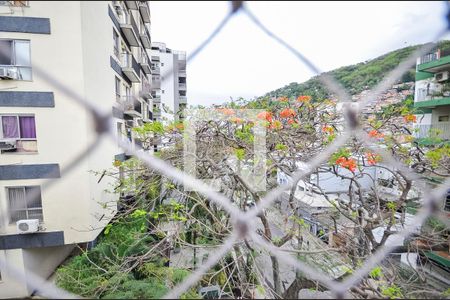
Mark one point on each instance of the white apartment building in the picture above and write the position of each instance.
(432, 93)
(169, 92)
(98, 50)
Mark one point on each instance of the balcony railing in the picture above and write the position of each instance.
(144, 10)
(156, 69)
(145, 63)
(431, 94)
(430, 57)
(130, 67)
(131, 105)
(429, 130)
(183, 99)
(145, 90)
(129, 27)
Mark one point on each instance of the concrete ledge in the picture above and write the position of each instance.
(31, 240)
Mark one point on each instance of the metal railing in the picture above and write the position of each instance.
(440, 130)
(243, 221)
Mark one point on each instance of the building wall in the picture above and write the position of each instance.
(74, 53)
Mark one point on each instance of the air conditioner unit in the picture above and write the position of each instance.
(8, 144)
(27, 226)
(8, 73)
(441, 76)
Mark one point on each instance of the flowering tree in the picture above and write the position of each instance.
(297, 130)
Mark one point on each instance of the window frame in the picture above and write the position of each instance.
(13, 57)
(24, 187)
(18, 124)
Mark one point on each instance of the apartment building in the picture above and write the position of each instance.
(169, 92)
(98, 50)
(432, 94)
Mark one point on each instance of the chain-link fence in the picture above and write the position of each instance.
(243, 220)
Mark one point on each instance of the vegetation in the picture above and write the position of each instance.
(356, 78)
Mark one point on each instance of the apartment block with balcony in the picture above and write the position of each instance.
(98, 50)
(169, 93)
(432, 94)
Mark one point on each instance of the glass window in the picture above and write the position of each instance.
(16, 58)
(117, 88)
(18, 127)
(443, 118)
(22, 53)
(6, 55)
(25, 203)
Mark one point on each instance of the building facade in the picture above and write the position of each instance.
(98, 49)
(169, 92)
(432, 94)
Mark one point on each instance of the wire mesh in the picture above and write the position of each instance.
(243, 220)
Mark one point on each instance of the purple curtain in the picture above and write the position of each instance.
(27, 128)
(10, 127)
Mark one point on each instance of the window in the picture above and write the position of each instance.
(24, 203)
(116, 43)
(162, 91)
(162, 64)
(117, 88)
(20, 129)
(16, 57)
(443, 118)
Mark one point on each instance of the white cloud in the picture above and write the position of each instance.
(243, 61)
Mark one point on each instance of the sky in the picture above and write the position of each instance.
(244, 62)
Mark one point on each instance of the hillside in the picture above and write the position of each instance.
(358, 77)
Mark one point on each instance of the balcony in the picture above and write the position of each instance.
(145, 90)
(156, 82)
(183, 99)
(439, 95)
(130, 67)
(428, 130)
(145, 64)
(157, 114)
(433, 62)
(131, 106)
(182, 86)
(129, 28)
(145, 38)
(144, 10)
(156, 70)
(181, 73)
(132, 4)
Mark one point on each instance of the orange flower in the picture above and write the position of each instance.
(375, 134)
(372, 158)
(226, 111)
(265, 115)
(291, 121)
(180, 126)
(236, 120)
(287, 113)
(348, 163)
(410, 118)
(304, 98)
(328, 129)
(283, 99)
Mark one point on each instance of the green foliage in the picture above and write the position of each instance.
(342, 152)
(392, 291)
(281, 147)
(355, 78)
(376, 273)
(240, 153)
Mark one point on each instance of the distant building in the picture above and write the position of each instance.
(169, 93)
(432, 94)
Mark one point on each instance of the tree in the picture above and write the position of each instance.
(297, 130)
